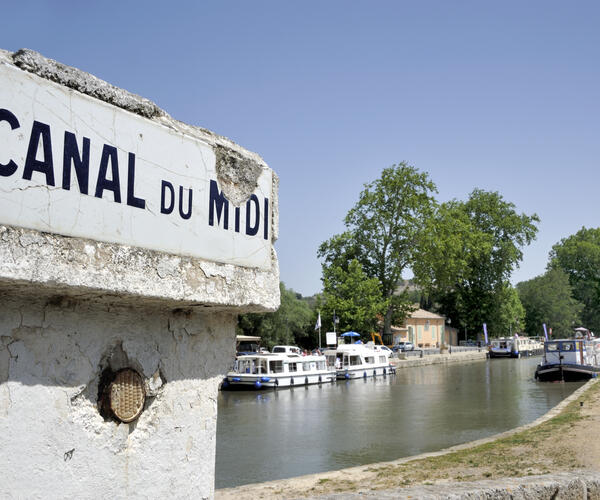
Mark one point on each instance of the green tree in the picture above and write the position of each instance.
(382, 231)
(355, 298)
(510, 312)
(549, 299)
(579, 257)
(291, 324)
(467, 255)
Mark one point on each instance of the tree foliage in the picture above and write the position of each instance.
(383, 228)
(355, 298)
(467, 256)
(579, 257)
(291, 324)
(549, 299)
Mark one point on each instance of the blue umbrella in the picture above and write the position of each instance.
(350, 334)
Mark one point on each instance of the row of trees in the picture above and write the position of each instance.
(461, 255)
(568, 294)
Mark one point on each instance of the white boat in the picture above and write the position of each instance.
(569, 360)
(277, 370)
(526, 346)
(514, 347)
(359, 361)
(501, 348)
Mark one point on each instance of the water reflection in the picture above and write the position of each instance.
(271, 435)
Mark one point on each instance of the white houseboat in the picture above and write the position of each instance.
(569, 360)
(359, 361)
(277, 370)
(515, 347)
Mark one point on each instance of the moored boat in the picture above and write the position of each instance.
(515, 347)
(277, 370)
(359, 361)
(501, 348)
(526, 346)
(569, 360)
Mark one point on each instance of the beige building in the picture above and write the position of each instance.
(423, 329)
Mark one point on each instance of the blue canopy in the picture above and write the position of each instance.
(350, 334)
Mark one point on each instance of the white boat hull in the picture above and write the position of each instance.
(364, 372)
(252, 381)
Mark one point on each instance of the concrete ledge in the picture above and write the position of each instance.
(85, 269)
(437, 359)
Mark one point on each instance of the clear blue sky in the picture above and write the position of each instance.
(497, 95)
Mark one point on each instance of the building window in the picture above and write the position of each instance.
(420, 333)
(433, 333)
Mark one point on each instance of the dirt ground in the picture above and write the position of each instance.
(567, 441)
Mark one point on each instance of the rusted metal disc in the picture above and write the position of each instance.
(127, 395)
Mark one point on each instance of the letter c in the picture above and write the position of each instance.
(11, 167)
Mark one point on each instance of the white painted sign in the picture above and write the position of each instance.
(73, 165)
(331, 338)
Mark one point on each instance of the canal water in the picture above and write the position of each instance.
(263, 436)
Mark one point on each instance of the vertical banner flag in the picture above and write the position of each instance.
(485, 333)
(318, 325)
(545, 331)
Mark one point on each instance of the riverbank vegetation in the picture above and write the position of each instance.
(460, 253)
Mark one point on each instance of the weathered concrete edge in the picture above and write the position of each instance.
(201, 282)
(348, 472)
(440, 359)
(581, 484)
(88, 269)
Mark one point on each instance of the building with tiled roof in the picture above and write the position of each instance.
(424, 329)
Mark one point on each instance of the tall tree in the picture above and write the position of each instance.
(579, 257)
(467, 256)
(382, 230)
(292, 323)
(548, 299)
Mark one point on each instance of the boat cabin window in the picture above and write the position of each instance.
(382, 359)
(276, 366)
(292, 367)
(370, 360)
(354, 360)
(247, 365)
(308, 366)
(551, 346)
(567, 346)
(321, 365)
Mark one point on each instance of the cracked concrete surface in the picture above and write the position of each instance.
(52, 353)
